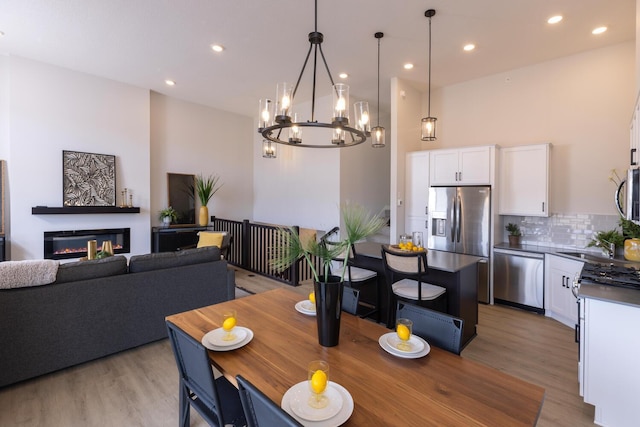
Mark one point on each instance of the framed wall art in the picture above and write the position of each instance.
(88, 179)
(182, 196)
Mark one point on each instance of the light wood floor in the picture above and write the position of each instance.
(139, 387)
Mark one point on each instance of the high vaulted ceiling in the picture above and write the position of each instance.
(145, 42)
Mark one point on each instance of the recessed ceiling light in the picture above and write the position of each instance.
(599, 30)
(1, 34)
(343, 75)
(469, 47)
(408, 66)
(217, 47)
(170, 82)
(554, 19)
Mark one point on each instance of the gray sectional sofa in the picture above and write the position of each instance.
(99, 307)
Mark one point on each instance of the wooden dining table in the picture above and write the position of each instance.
(440, 388)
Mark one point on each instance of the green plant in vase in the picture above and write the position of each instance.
(514, 233)
(358, 223)
(206, 187)
(290, 248)
(631, 233)
(168, 215)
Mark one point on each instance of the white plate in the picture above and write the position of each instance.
(207, 343)
(300, 402)
(394, 351)
(216, 337)
(306, 307)
(340, 418)
(416, 343)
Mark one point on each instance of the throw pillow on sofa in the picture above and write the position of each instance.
(91, 269)
(210, 238)
(17, 274)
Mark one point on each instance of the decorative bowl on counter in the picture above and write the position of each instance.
(632, 249)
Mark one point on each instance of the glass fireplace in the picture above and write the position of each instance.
(73, 243)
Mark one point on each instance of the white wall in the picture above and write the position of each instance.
(364, 174)
(192, 139)
(637, 64)
(306, 186)
(582, 104)
(299, 187)
(4, 107)
(405, 137)
(53, 109)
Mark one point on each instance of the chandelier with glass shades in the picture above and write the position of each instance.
(280, 124)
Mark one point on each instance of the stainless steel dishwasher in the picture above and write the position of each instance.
(518, 279)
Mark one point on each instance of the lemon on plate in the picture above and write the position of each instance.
(312, 297)
(229, 323)
(403, 332)
(318, 381)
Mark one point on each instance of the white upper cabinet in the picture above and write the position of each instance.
(524, 180)
(464, 166)
(417, 184)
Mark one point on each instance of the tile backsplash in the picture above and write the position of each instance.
(567, 231)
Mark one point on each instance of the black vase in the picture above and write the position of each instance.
(328, 309)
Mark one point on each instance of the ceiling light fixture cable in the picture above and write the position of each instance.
(429, 123)
(274, 117)
(377, 132)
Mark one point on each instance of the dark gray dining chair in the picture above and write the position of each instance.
(259, 410)
(350, 300)
(439, 329)
(355, 277)
(216, 400)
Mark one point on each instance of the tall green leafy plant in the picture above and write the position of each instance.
(206, 187)
(289, 247)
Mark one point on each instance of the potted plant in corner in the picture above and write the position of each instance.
(289, 249)
(514, 234)
(631, 235)
(206, 187)
(168, 215)
(608, 241)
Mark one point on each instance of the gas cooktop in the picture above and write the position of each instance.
(610, 274)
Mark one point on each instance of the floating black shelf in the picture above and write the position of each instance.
(45, 210)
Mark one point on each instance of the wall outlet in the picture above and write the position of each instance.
(400, 203)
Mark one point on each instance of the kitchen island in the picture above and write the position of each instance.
(456, 272)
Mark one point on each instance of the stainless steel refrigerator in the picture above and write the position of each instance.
(459, 221)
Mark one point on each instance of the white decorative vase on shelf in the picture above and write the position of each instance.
(166, 221)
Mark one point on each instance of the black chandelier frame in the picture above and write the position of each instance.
(273, 133)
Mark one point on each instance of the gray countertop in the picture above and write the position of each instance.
(437, 260)
(612, 294)
(585, 255)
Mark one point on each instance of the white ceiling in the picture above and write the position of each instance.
(144, 42)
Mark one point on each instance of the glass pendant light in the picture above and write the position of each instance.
(377, 133)
(429, 123)
(268, 149)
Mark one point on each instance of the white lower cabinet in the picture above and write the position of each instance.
(610, 361)
(559, 301)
